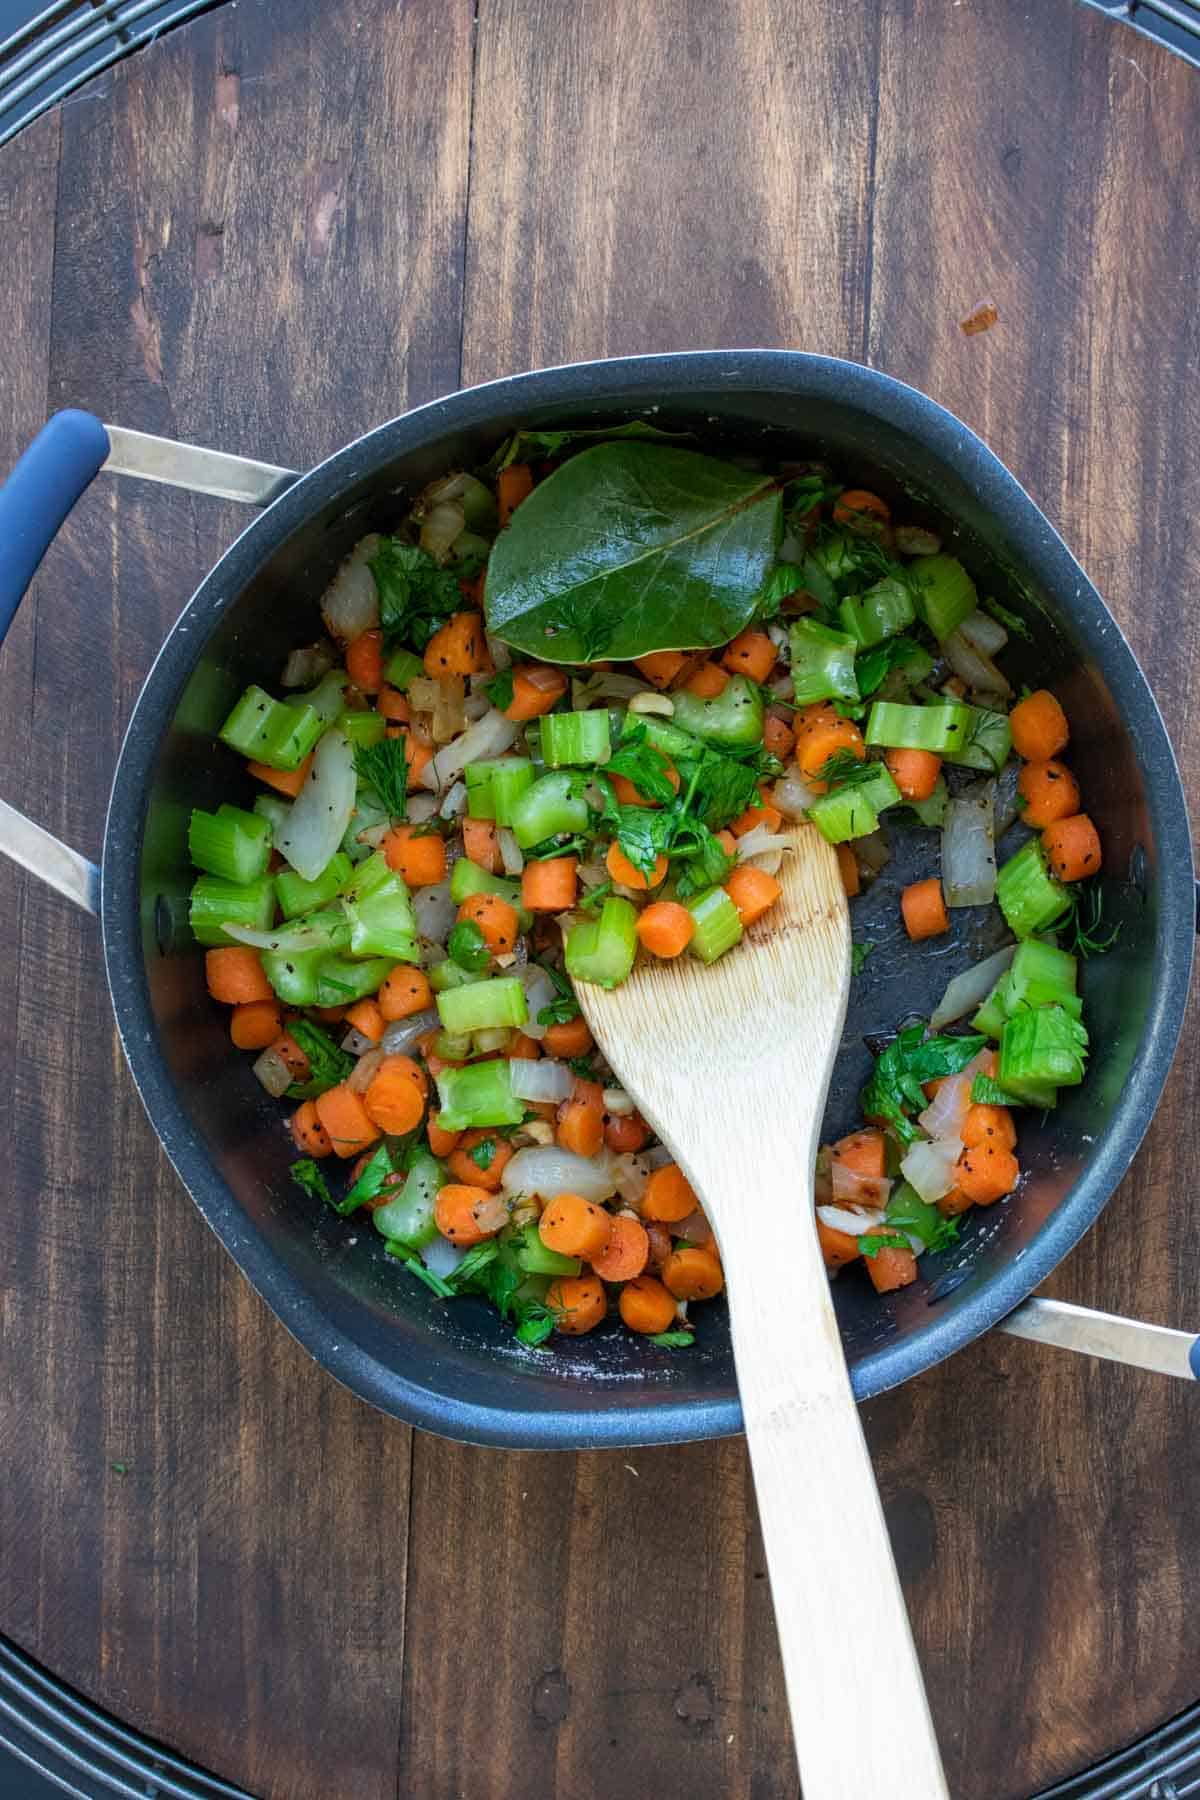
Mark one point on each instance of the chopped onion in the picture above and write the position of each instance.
(441, 1257)
(618, 1103)
(304, 668)
(658, 1157)
(971, 988)
(793, 796)
(929, 1167)
(356, 1044)
(490, 1212)
(374, 835)
(512, 857)
(421, 808)
(323, 808)
(591, 874)
(400, 1036)
(606, 685)
(365, 1069)
(759, 840)
(449, 715)
(985, 633)
(540, 1079)
(474, 707)
(854, 1221)
(274, 1074)
(422, 693)
(914, 540)
(943, 1117)
(549, 1171)
(630, 1175)
(435, 911)
(969, 847)
(872, 853)
(779, 637)
(1007, 809)
(970, 665)
(488, 737)
(441, 525)
(539, 993)
(350, 604)
(858, 1190)
(455, 802)
(283, 937)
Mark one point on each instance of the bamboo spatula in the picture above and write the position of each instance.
(730, 1064)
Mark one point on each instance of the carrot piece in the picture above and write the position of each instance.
(395, 1098)
(578, 1303)
(751, 653)
(347, 1121)
(471, 1172)
(989, 1125)
(308, 1131)
(665, 928)
(646, 1306)
(255, 1025)
(778, 737)
(513, 484)
(289, 1052)
(522, 1048)
(235, 976)
(848, 869)
(924, 909)
(404, 992)
(420, 860)
(668, 1195)
(837, 1247)
(284, 781)
(571, 1038)
(727, 842)
(953, 1203)
(709, 680)
(862, 512)
(1050, 793)
(693, 1274)
(366, 1018)
(986, 1172)
(824, 738)
(394, 706)
(481, 842)
(915, 772)
(455, 1213)
(629, 795)
(660, 667)
(581, 1119)
(457, 648)
(575, 1227)
(626, 1253)
(625, 1133)
(441, 1143)
(551, 885)
(891, 1268)
(752, 891)
(1072, 847)
(623, 871)
(364, 661)
(496, 919)
(536, 689)
(865, 1152)
(754, 816)
(417, 754)
(1039, 727)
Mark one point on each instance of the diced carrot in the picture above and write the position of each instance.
(848, 869)
(404, 992)
(665, 928)
(891, 1268)
(575, 1227)
(441, 1143)
(861, 511)
(581, 1119)
(482, 844)
(513, 484)
(693, 1274)
(1050, 793)
(626, 1253)
(420, 858)
(550, 885)
(709, 680)
(578, 1303)
(924, 909)
(474, 1150)
(668, 1195)
(284, 781)
(496, 919)
(536, 689)
(751, 653)
(823, 739)
(915, 772)
(289, 1053)
(395, 1098)
(346, 1120)
(364, 661)
(625, 1133)
(622, 870)
(986, 1172)
(837, 1247)
(417, 754)
(660, 667)
(754, 816)
(953, 1203)
(571, 1038)
(367, 1018)
(727, 842)
(456, 1214)
(308, 1131)
(989, 1125)
(778, 737)
(752, 891)
(522, 1048)
(235, 976)
(646, 1306)
(1072, 848)
(255, 1025)
(457, 648)
(865, 1152)
(394, 706)
(1039, 727)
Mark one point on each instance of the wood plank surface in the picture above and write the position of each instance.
(258, 234)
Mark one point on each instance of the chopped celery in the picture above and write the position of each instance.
(844, 813)
(993, 1014)
(493, 1038)
(822, 663)
(362, 728)
(271, 731)
(482, 1005)
(339, 980)
(216, 903)
(667, 738)
(231, 844)
(368, 877)
(933, 810)
(296, 896)
(408, 1216)
(882, 612)
(575, 738)
(451, 1048)
(554, 803)
(1040, 974)
(536, 1259)
(401, 667)
(941, 729)
(468, 878)
(493, 788)
(275, 810)
(294, 974)
(449, 974)
(732, 720)
(480, 1094)
(945, 593)
(1041, 1047)
(602, 950)
(988, 742)
(328, 697)
(718, 924)
(383, 923)
(986, 1092)
(1030, 898)
(468, 947)
(879, 789)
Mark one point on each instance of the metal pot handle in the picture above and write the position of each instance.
(61, 462)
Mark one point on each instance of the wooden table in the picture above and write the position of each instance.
(274, 229)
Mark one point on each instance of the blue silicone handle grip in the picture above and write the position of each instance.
(38, 495)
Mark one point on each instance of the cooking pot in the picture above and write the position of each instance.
(455, 1368)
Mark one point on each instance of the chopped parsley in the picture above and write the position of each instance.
(327, 1065)
(483, 1155)
(499, 689)
(415, 595)
(896, 1087)
(565, 1006)
(673, 1340)
(859, 953)
(308, 1176)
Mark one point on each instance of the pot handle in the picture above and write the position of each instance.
(1154, 1347)
(35, 501)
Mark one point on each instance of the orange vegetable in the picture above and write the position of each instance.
(914, 772)
(366, 1017)
(457, 648)
(575, 1227)
(622, 870)
(865, 1152)
(629, 795)
(727, 842)
(751, 653)
(308, 1131)
(284, 781)
(496, 919)
(364, 661)
(417, 754)
(1072, 848)
(693, 1274)
(986, 1172)
(418, 857)
(668, 1196)
(1050, 793)
(626, 1253)
(665, 928)
(953, 1203)
(707, 682)
(513, 484)
(289, 1052)
(661, 667)
(255, 1025)
(581, 1119)
(481, 842)
(524, 1049)
(536, 689)
(1039, 727)
(924, 910)
(752, 891)
(441, 1143)
(625, 1133)
(848, 869)
(395, 1098)
(572, 1038)
(346, 1120)
(890, 1269)
(404, 992)
(394, 706)
(456, 1213)
(837, 1247)
(464, 1167)
(754, 816)
(578, 1303)
(824, 738)
(235, 975)
(778, 737)
(646, 1306)
(862, 512)
(551, 885)
(989, 1125)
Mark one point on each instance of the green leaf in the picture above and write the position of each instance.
(535, 1328)
(637, 759)
(595, 900)
(484, 1154)
(673, 1340)
(370, 1183)
(873, 665)
(467, 947)
(308, 1176)
(566, 1007)
(633, 547)
(872, 1242)
(327, 1065)
(384, 767)
(1084, 923)
(526, 446)
(415, 595)
(499, 689)
(1010, 620)
(468, 1271)
(896, 1087)
(859, 953)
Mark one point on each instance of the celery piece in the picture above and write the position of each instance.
(986, 1092)
(731, 720)
(844, 813)
(449, 974)
(1040, 974)
(408, 1216)
(718, 924)
(879, 789)
(491, 1039)
(945, 593)
(1030, 898)
(483, 1005)
(362, 728)
(480, 1094)
(271, 731)
(368, 877)
(231, 844)
(993, 1014)
(668, 738)
(554, 803)
(536, 1259)
(340, 980)
(450, 1048)
(383, 923)
(822, 663)
(328, 697)
(468, 878)
(494, 788)
(216, 903)
(575, 738)
(988, 743)
(942, 729)
(883, 611)
(294, 974)
(1039, 1048)
(400, 669)
(275, 810)
(297, 896)
(602, 950)
(932, 811)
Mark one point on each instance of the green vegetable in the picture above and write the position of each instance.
(339, 980)
(1087, 916)
(415, 1266)
(859, 953)
(483, 1005)
(897, 1086)
(499, 689)
(718, 924)
(297, 896)
(639, 762)
(415, 595)
(401, 667)
(1011, 620)
(383, 768)
(270, 731)
(908, 1212)
(572, 738)
(880, 612)
(370, 1183)
(992, 1014)
(491, 1270)
(1029, 896)
(480, 1094)
(554, 804)
(845, 812)
(364, 730)
(633, 547)
(468, 878)
(872, 1242)
(468, 948)
(230, 844)
(448, 974)
(822, 663)
(871, 667)
(541, 446)
(327, 1065)
(988, 742)
(673, 1340)
(1040, 975)
(942, 729)
(602, 950)
(932, 811)
(1039, 1048)
(986, 1092)
(295, 974)
(534, 1257)
(383, 923)
(215, 903)
(945, 593)
(495, 788)
(565, 1006)
(308, 1176)
(732, 719)
(407, 1217)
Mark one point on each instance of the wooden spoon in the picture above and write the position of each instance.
(730, 1064)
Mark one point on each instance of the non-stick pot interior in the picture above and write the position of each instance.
(328, 1277)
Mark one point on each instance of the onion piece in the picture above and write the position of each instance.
(500, 654)
(490, 1212)
(455, 802)
(511, 855)
(304, 668)
(350, 604)
(695, 1228)
(274, 1074)
(793, 796)
(441, 1257)
(658, 1157)
(365, 1069)
(1007, 810)
(549, 1171)
(540, 1079)
(970, 988)
(435, 911)
(929, 1166)
(355, 1044)
(607, 684)
(400, 1036)
(474, 707)
(441, 525)
(591, 874)
(630, 1175)
(872, 853)
(283, 937)
(539, 993)
(854, 1221)
(759, 840)
(944, 1116)
(986, 634)
(969, 846)
(323, 808)
(421, 808)
(970, 665)
(914, 540)
(849, 1187)
(488, 737)
(618, 1103)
